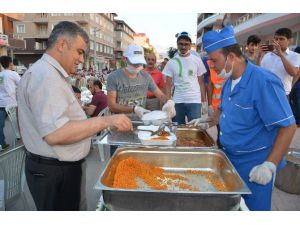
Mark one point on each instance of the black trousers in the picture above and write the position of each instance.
(218, 136)
(54, 185)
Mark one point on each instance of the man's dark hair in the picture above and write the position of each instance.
(284, 32)
(98, 83)
(184, 38)
(253, 39)
(235, 48)
(5, 61)
(66, 28)
(297, 49)
(76, 89)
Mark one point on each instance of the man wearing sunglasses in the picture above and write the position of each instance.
(184, 74)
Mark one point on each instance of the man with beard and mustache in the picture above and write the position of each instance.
(99, 100)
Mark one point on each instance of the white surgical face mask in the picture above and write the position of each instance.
(223, 74)
(186, 54)
(133, 70)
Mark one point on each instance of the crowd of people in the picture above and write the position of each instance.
(250, 97)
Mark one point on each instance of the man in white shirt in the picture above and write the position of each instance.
(282, 61)
(9, 80)
(184, 72)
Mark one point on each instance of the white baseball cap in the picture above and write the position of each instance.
(135, 54)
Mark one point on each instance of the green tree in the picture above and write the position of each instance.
(121, 63)
(148, 50)
(171, 52)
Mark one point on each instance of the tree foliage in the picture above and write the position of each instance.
(148, 50)
(171, 52)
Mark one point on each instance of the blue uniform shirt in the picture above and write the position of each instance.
(252, 113)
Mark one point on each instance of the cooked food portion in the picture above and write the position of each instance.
(163, 133)
(131, 173)
(211, 178)
(160, 138)
(188, 141)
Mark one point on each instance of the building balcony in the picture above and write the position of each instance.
(81, 18)
(41, 18)
(264, 24)
(214, 19)
(199, 40)
(118, 49)
(41, 35)
(16, 43)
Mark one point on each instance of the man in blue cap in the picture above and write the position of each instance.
(256, 121)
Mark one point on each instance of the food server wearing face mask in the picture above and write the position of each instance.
(127, 88)
(256, 121)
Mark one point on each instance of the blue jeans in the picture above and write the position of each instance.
(295, 104)
(189, 110)
(2, 124)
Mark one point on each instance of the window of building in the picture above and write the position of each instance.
(119, 44)
(101, 48)
(21, 28)
(97, 19)
(92, 45)
(55, 14)
(44, 45)
(68, 14)
(43, 29)
(92, 16)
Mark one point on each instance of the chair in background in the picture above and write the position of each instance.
(12, 165)
(104, 112)
(11, 111)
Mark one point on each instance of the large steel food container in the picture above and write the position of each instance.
(288, 178)
(131, 137)
(176, 161)
(194, 137)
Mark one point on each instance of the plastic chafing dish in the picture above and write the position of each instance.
(175, 160)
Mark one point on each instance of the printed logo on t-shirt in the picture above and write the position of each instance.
(190, 72)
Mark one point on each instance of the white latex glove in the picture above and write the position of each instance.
(204, 107)
(169, 108)
(201, 122)
(211, 112)
(140, 111)
(262, 174)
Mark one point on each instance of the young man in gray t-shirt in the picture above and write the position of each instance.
(127, 88)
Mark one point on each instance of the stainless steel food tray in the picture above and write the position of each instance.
(184, 132)
(175, 160)
(131, 137)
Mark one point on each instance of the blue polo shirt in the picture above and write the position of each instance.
(252, 112)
